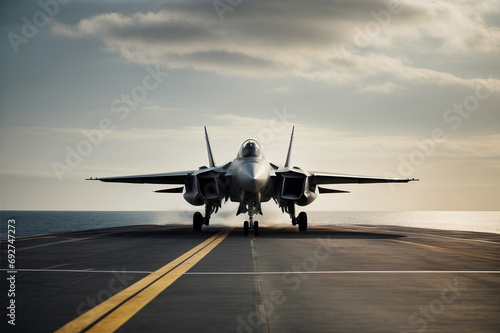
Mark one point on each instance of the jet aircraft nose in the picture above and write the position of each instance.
(252, 177)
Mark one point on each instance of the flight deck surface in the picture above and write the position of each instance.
(152, 278)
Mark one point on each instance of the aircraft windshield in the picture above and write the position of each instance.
(249, 148)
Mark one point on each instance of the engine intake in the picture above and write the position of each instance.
(208, 187)
(296, 188)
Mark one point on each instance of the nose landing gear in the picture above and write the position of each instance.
(250, 204)
(251, 224)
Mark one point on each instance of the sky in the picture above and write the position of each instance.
(382, 88)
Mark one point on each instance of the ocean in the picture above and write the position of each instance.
(32, 223)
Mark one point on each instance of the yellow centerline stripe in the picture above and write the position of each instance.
(89, 317)
(122, 314)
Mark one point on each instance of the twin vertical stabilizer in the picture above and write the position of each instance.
(209, 150)
(287, 162)
(211, 160)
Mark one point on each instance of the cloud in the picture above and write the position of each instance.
(384, 88)
(293, 38)
(476, 148)
(280, 89)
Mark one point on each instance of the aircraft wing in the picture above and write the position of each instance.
(322, 178)
(172, 178)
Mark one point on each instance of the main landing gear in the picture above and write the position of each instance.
(301, 220)
(199, 220)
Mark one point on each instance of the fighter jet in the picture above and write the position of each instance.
(250, 179)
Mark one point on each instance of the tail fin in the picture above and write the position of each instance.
(287, 162)
(209, 150)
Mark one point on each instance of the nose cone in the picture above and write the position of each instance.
(252, 177)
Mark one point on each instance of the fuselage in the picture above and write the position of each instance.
(250, 173)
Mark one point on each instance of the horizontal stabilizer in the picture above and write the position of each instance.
(171, 190)
(323, 190)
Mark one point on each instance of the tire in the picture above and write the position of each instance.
(245, 228)
(197, 221)
(256, 228)
(302, 221)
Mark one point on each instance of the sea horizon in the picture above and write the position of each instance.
(42, 222)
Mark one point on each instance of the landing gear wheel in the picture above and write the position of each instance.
(256, 228)
(245, 228)
(197, 221)
(302, 221)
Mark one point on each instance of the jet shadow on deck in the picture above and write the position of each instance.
(185, 232)
(321, 232)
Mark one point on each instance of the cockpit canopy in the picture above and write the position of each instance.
(250, 148)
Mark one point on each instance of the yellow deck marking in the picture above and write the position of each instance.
(121, 315)
(185, 262)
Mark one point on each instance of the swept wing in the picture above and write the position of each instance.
(323, 178)
(171, 178)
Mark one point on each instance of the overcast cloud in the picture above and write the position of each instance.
(335, 41)
(367, 84)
